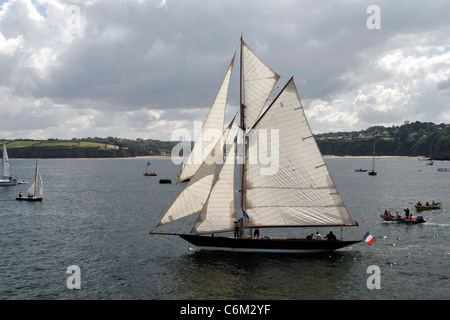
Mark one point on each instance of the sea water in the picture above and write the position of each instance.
(97, 215)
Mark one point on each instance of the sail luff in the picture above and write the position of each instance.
(211, 130)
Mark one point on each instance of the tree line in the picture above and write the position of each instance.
(410, 139)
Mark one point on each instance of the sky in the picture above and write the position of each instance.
(144, 69)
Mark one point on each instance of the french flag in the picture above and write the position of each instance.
(368, 238)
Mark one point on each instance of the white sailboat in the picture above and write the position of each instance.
(34, 193)
(7, 179)
(372, 171)
(294, 190)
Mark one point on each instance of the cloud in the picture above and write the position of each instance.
(145, 68)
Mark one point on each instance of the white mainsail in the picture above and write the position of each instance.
(259, 81)
(211, 130)
(300, 192)
(33, 188)
(5, 168)
(193, 197)
(218, 214)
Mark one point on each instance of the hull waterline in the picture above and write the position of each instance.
(265, 245)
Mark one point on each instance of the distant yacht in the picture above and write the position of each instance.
(33, 193)
(7, 179)
(372, 171)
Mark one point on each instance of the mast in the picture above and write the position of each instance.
(35, 179)
(242, 124)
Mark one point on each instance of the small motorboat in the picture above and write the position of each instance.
(387, 216)
(165, 181)
(147, 173)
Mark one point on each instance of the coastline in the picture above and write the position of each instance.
(370, 157)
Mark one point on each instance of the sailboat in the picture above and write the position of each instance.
(430, 161)
(241, 192)
(372, 171)
(7, 179)
(146, 173)
(33, 193)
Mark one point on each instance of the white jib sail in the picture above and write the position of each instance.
(192, 199)
(218, 214)
(211, 130)
(41, 188)
(259, 81)
(295, 187)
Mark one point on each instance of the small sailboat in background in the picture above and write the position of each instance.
(372, 171)
(430, 161)
(33, 193)
(146, 173)
(7, 179)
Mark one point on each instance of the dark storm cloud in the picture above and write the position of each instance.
(146, 67)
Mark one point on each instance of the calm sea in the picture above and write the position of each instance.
(97, 215)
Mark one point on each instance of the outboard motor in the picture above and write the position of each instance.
(420, 219)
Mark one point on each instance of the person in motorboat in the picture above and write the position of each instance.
(406, 212)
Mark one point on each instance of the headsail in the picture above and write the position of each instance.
(208, 137)
(299, 190)
(259, 81)
(193, 197)
(218, 214)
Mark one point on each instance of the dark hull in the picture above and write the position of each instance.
(419, 219)
(28, 199)
(422, 208)
(265, 245)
